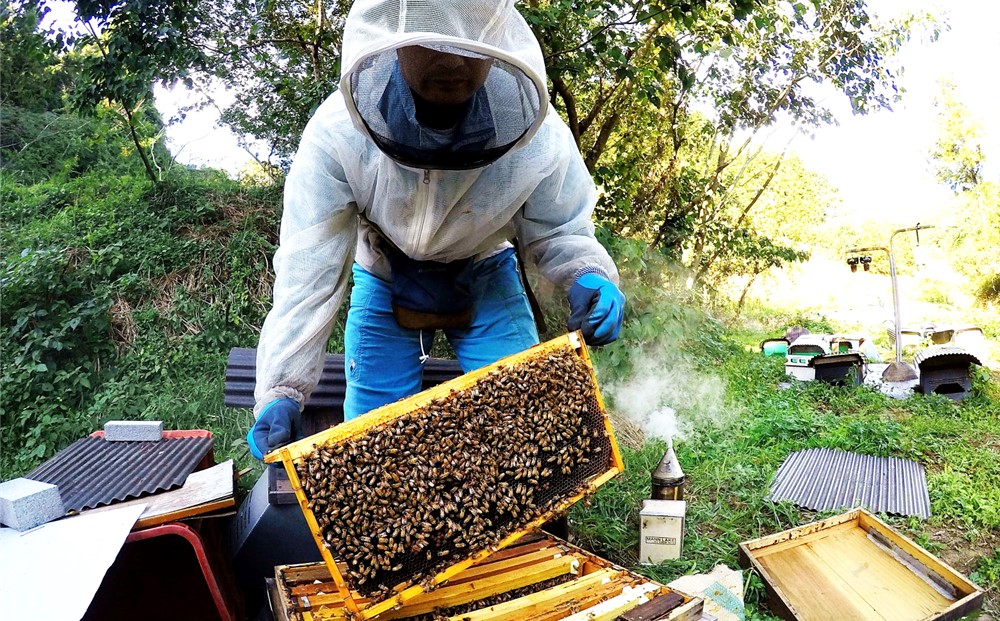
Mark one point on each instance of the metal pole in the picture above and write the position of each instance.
(895, 301)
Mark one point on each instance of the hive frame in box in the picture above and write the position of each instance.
(297, 451)
(306, 592)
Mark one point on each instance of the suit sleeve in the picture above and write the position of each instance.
(555, 224)
(312, 271)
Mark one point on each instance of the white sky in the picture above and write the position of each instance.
(880, 162)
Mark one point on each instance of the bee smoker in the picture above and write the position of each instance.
(668, 478)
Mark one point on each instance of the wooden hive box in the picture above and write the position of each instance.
(539, 578)
(855, 566)
(430, 510)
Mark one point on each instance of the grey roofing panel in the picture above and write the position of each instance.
(830, 479)
(944, 355)
(241, 375)
(93, 471)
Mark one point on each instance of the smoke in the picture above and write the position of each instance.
(668, 397)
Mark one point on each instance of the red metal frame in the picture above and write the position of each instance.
(207, 461)
(192, 537)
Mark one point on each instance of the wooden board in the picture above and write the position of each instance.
(295, 452)
(854, 566)
(203, 491)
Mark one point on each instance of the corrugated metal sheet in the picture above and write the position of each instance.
(92, 472)
(241, 373)
(944, 356)
(830, 479)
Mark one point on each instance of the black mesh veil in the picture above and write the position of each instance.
(484, 127)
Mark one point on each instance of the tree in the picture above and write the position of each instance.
(972, 230)
(30, 69)
(957, 153)
(632, 87)
(125, 48)
(283, 60)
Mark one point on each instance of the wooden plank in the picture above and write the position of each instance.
(807, 592)
(292, 575)
(689, 611)
(458, 594)
(804, 538)
(203, 491)
(543, 601)
(490, 569)
(869, 522)
(198, 510)
(654, 608)
(849, 574)
(516, 550)
(892, 589)
(582, 601)
(800, 531)
(611, 609)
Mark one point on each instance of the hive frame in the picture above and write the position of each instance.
(290, 454)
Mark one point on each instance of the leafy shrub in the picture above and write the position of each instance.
(56, 346)
(989, 290)
(46, 146)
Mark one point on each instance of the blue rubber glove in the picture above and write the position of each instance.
(278, 424)
(597, 308)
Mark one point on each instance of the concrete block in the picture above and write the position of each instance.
(25, 503)
(133, 430)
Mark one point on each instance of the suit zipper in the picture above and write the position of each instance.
(425, 207)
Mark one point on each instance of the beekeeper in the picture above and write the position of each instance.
(437, 150)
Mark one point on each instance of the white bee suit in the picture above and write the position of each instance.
(537, 187)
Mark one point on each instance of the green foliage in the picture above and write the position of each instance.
(957, 153)
(134, 43)
(972, 225)
(55, 343)
(56, 147)
(988, 573)
(120, 298)
(30, 67)
(989, 290)
(282, 56)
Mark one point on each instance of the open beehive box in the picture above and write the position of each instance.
(407, 496)
(538, 578)
(855, 566)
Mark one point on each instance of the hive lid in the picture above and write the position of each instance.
(664, 508)
(410, 494)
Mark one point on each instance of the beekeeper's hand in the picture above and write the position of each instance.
(278, 424)
(597, 308)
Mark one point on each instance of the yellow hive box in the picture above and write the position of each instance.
(573, 455)
(539, 578)
(855, 566)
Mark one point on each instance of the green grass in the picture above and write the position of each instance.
(730, 465)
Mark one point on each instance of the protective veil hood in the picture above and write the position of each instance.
(501, 114)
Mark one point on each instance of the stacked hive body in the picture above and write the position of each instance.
(539, 578)
(410, 494)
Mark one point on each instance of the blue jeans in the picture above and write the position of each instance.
(383, 360)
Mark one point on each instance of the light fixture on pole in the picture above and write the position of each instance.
(897, 371)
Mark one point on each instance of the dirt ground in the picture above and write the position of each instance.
(963, 557)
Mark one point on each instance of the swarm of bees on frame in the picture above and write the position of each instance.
(402, 501)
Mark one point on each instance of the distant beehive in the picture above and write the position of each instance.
(408, 495)
(944, 369)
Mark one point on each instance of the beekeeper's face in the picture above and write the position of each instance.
(442, 78)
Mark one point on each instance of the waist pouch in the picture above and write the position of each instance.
(428, 295)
